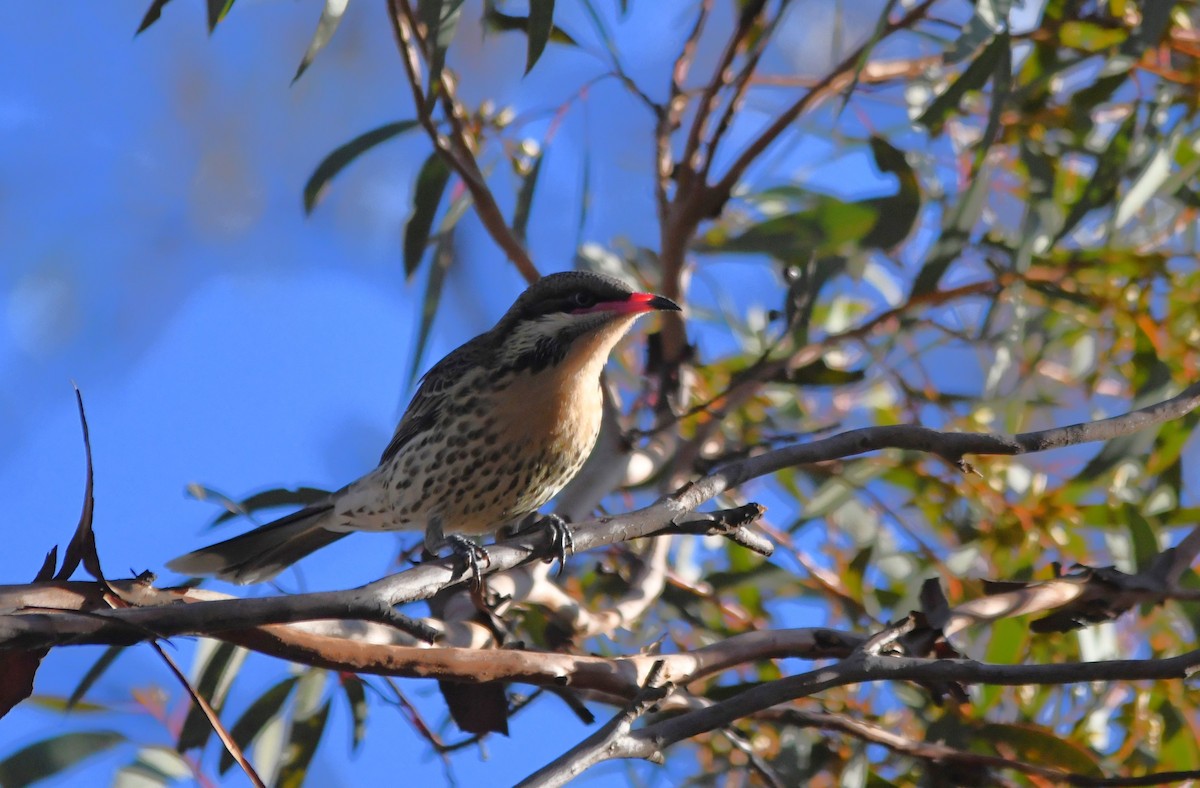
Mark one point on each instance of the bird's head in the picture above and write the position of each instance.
(576, 314)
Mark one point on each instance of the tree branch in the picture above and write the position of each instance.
(375, 601)
(840, 77)
(862, 668)
(455, 150)
(934, 751)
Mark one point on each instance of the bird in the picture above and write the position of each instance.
(493, 432)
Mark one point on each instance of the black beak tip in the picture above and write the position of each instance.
(664, 304)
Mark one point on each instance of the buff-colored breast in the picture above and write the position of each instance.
(503, 452)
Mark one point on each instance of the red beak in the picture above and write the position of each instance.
(636, 304)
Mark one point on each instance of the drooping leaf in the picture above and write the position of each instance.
(94, 673)
(955, 233)
(255, 718)
(217, 10)
(896, 214)
(1090, 36)
(331, 17)
(1141, 535)
(541, 22)
(336, 161)
(443, 256)
(427, 195)
(499, 22)
(441, 23)
(477, 708)
(17, 669)
(881, 26)
(152, 14)
(989, 19)
(825, 228)
(974, 77)
(1155, 178)
(356, 696)
(819, 373)
(1102, 186)
(585, 193)
(525, 196)
(306, 736)
(49, 757)
(154, 766)
(1033, 744)
(220, 665)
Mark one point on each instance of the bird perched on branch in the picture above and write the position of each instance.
(495, 430)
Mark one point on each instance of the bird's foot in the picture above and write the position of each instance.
(563, 539)
(470, 554)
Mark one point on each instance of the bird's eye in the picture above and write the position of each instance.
(583, 300)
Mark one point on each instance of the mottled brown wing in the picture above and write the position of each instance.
(435, 394)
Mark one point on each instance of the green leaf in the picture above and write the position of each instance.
(443, 256)
(331, 17)
(974, 77)
(1037, 745)
(826, 228)
(255, 718)
(48, 757)
(355, 689)
(427, 195)
(306, 737)
(93, 673)
(956, 232)
(896, 214)
(218, 666)
(441, 23)
(819, 373)
(58, 703)
(525, 197)
(152, 15)
(990, 18)
(1102, 187)
(217, 9)
(335, 162)
(497, 21)
(1141, 534)
(1090, 36)
(541, 22)
(154, 766)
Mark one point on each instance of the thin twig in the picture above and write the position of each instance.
(455, 150)
(214, 720)
(841, 74)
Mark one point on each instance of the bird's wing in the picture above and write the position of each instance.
(435, 394)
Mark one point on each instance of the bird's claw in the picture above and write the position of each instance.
(563, 539)
(469, 553)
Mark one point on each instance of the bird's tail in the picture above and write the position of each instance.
(264, 552)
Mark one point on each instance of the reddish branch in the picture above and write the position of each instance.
(457, 148)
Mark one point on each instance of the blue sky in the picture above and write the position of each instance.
(156, 253)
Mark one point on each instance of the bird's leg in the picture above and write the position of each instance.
(463, 549)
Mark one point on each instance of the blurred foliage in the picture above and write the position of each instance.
(1034, 264)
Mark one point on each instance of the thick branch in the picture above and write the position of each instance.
(861, 668)
(375, 601)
